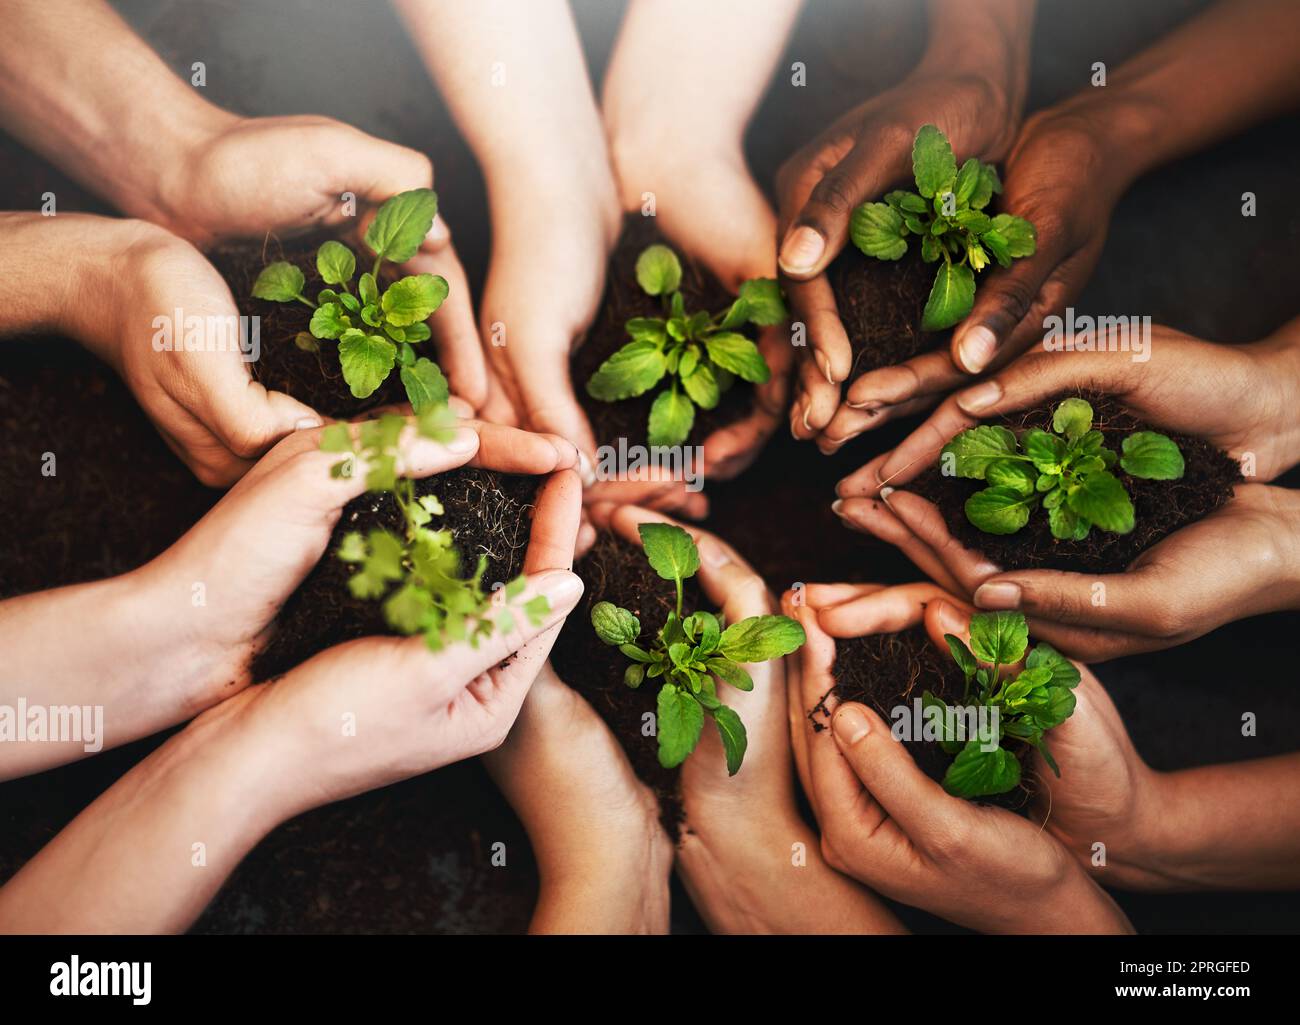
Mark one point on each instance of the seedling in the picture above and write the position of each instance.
(417, 572)
(1028, 703)
(1067, 469)
(374, 331)
(946, 214)
(688, 652)
(701, 354)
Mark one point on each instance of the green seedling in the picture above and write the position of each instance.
(1028, 702)
(416, 573)
(1066, 469)
(700, 353)
(947, 214)
(689, 651)
(375, 331)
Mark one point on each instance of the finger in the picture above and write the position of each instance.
(374, 169)
(511, 450)
(1130, 601)
(873, 516)
(812, 303)
(242, 414)
(730, 449)
(920, 450)
(863, 482)
(823, 596)
(848, 424)
(921, 375)
(946, 615)
(556, 521)
(889, 610)
(923, 518)
(549, 402)
(820, 400)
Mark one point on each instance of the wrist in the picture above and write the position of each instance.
(1278, 362)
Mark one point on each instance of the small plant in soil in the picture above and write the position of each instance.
(375, 331)
(1027, 703)
(947, 214)
(700, 353)
(416, 573)
(688, 652)
(1066, 469)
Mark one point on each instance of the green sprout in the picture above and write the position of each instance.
(946, 214)
(702, 354)
(689, 651)
(1028, 703)
(417, 572)
(374, 331)
(1067, 469)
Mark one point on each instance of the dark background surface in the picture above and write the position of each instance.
(415, 857)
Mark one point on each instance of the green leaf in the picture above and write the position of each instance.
(658, 271)
(999, 637)
(951, 297)
(977, 773)
(413, 298)
(350, 302)
(1045, 449)
(933, 165)
(738, 354)
(400, 226)
(335, 263)
(1101, 499)
(988, 184)
(706, 626)
(999, 510)
(967, 178)
(631, 371)
(734, 740)
(279, 282)
(408, 609)
(647, 329)
(370, 315)
(633, 675)
(671, 418)
(961, 654)
(878, 230)
(1064, 672)
(336, 438)
(760, 638)
(1073, 418)
(974, 450)
(679, 722)
(328, 321)
(671, 552)
(1021, 236)
(997, 245)
(973, 221)
(425, 385)
(636, 653)
(614, 625)
(763, 302)
(729, 672)
(1059, 706)
(417, 332)
(1012, 474)
(366, 360)
(1151, 456)
(702, 386)
(1065, 524)
(367, 289)
(352, 548)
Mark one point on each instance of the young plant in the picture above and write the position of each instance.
(688, 652)
(417, 571)
(1067, 469)
(375, 331)
(701, 354)
(946, 214)
(1028, 703)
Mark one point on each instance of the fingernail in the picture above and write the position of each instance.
(885, 492)
(837, 507)
(869, 404)
(713, 553)
(566, 454)
(438, 231)
(850, 725)
(585, 470)
(998, 596)
(464, 440)
(826, 368)
(802, 249)
(976, 348)
(306, 423)
(806, 425)
(950, 619)
(979, 398)
(562, 588)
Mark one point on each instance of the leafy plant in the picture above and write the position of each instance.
(1028, 703)
(416, 572)
(702, 354)
(1067, 469)
(688, 652)
(946, 214)
(375, 331)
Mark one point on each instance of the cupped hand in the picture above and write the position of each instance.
(887, 824)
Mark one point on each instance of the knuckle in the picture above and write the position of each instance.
(950, 841)
(835, 192)
(831, 848)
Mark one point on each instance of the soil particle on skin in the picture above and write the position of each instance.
(885, 671)
(489, 515)
(617, 571)
(1160, 506)
(623, 300)
(314, 378)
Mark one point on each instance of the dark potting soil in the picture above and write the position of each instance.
(314, 378)
(624, 300)
(488, 514)
(614, 570)
(1160, 506)
(884, 671)
(880, 303)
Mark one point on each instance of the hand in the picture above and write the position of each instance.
(737, 851)
(1166, 597)
(889, 825)
(973, 92)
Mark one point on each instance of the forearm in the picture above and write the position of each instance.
(149, 853)
(81, 88)
(989, 40)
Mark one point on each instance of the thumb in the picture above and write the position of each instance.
(248, 419)
(550, 404)
(373, 168)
